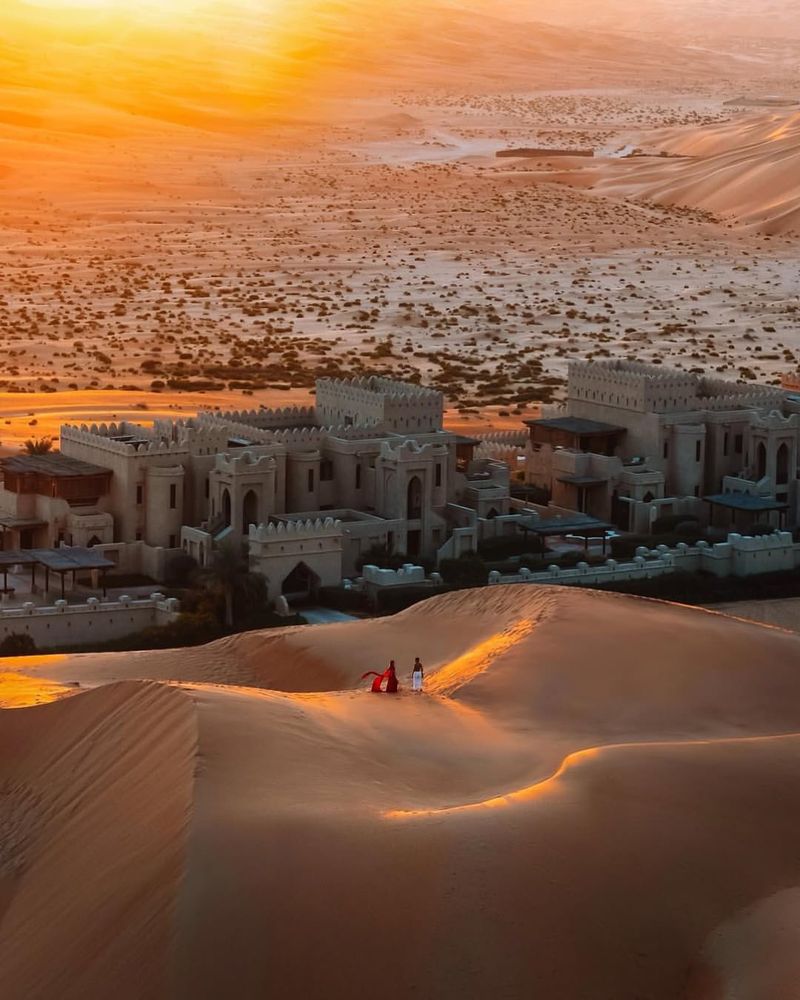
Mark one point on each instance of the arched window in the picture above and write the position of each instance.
(414, 505)
(226, 506)
(648, 497)
(782, 465)
(249, 510)
(761, 460)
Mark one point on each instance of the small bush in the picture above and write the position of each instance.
(180, 570)
(468, 571)
(342, 600)
(679, 523)
(390, 600)
(17, 644)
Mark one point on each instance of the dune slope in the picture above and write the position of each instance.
(597, 796)
(744, 170)
(95, 794)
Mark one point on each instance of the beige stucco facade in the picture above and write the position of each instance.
(681, 438)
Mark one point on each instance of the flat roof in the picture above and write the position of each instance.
(22, 523)
(52, 464)
(577, 425)
(62, 560)
(583, 480)
(16, 557)
(567, 526)
(745, 501)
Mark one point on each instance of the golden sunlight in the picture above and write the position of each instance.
(133, 6)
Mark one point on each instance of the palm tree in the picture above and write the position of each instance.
(38, 446)
(229, 573)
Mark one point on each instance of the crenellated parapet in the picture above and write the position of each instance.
(411, 451)
(263, 419)
(377, 384)
(120, 439)
(646, 388)
(509, 438)
(379, 402)
(775, 421)
(312, 528)
(244, 463)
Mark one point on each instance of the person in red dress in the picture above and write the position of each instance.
(389, 675)
(391, 680)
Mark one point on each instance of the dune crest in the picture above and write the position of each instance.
(533, 789)
(744, 170)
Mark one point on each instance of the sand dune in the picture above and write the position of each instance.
(233, 65)
(746, 170)
(541, 820)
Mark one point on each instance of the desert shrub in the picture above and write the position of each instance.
(679, 523)
(17, 644)
(468, 571)
(705, 588)
(342, 600)
(506, 546)
(378, 556)
(180, 570)
(390, 600)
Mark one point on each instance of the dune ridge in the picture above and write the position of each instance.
(743, 170)
(488, 827)
(746, 170)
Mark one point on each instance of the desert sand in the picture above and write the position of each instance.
(330, 203)
(245, 820)
(202, 206)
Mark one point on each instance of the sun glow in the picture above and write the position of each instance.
(125, 6)
(219, 64)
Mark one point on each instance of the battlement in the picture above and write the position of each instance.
(631, 385)
(244, 463)
(775, 421)
(263, 419)
(373, 401)
(502, 437)
(377, 385)
(119, 439)
(295, 529)
(410, 450)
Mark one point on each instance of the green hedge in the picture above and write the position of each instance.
(390, 600)
(705, 588)
(508, 545)
(342, 600)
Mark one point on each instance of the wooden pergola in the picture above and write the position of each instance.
(72, 559)
(584, 527)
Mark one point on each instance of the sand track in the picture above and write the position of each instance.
(604, 825)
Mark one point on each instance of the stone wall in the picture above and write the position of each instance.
(62, 624)
(740, 556)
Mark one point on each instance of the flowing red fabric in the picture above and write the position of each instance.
(376, 684)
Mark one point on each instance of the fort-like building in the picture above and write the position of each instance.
(636, 442)
(311, 490)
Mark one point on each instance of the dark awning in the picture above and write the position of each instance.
(582, 480)
(746, 501)
(63, 560)
(71, 558)
(566, 526)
